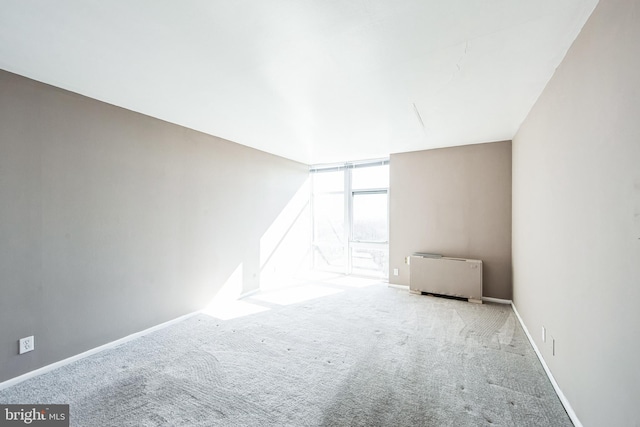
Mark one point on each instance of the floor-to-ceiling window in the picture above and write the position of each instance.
(350, 218)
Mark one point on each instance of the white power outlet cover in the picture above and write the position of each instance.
(395, 271)
(27, 344)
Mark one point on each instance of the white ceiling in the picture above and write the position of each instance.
(313, 80)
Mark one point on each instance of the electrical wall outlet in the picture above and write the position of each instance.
(395, 272)
(544, 334)
(27, 344)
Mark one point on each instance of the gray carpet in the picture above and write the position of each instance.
(368, 356)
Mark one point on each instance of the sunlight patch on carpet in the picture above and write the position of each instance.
(225, 310)
(296, 295)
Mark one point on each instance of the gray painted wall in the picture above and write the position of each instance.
(576, 218)
(112, 222)
(456, 202)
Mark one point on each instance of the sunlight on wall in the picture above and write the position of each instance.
(232, 289)
(284, 259)
(285, 246)
(225, 305)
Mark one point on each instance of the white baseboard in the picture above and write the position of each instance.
(556, 387)
(497, 300)
(249, 293)
(61, 363)
(393, 285)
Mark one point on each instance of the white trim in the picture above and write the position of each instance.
(334, 167)
(563, 398)
(497, 300)
(112, 344)
(393, 285)
(248, 293)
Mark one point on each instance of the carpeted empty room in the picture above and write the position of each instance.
(343, 352)
(230, 213)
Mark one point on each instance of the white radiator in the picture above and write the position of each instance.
(457, 277)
